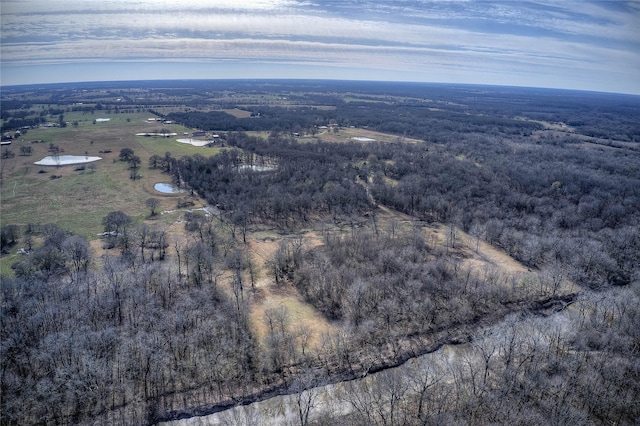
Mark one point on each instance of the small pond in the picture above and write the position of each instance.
(255, 168)
(65, 160)
(167, 188)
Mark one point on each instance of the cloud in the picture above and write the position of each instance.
(520, 40)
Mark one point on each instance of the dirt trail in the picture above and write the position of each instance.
(488, 255)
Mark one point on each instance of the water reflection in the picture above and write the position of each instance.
(255, 168)
(167, 188)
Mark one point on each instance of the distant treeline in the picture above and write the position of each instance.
(416, 121)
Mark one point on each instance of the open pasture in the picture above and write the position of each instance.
(77, 199)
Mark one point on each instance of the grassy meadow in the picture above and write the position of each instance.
(79, 199)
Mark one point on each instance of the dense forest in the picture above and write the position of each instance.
(159, 329)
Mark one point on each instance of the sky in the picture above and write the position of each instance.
(586, 45)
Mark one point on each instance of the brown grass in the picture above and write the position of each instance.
(238, 113)
(346, 134)
(270, 295)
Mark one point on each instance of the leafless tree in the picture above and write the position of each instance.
(306, 393)
(78, 253)
(153, 204)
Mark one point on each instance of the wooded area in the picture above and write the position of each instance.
(160, 328)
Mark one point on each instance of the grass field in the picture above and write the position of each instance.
(343, 135)
(78, 200)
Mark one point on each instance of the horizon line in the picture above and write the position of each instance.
(297, 79)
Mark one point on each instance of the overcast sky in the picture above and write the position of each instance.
(591, 45)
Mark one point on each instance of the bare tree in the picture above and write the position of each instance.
(116, 224)
(423, 375)
(280, 342)
(153, 204)
(552, 276)
(377, 400)
(78, 253)
(142, 234)
(304, 335)
(305, 387)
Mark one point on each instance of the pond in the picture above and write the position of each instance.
(65, 160)
(167, 188)
(255, 168)
(194, 142)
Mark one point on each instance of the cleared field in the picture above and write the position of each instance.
(343, 135)
(78, 199)
(238, 113)
(270, 295)
(160, 146)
